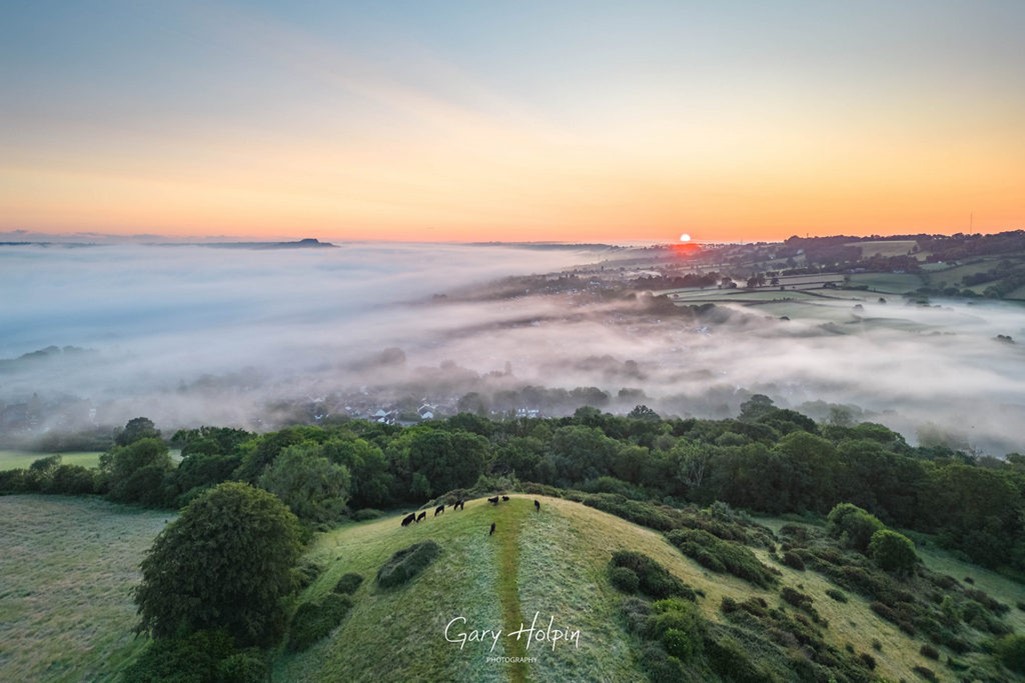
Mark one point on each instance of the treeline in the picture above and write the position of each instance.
(768, 459)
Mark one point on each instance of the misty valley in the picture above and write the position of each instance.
(794, 461)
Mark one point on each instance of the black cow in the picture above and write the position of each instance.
(408, 519)
(505, 497)
(422, 515)
(493, 501)
(492, 529)
(459, 504)
(537, 505)
(438, 510)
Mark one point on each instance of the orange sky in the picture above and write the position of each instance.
(249, 124)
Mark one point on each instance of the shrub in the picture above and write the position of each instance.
(624, 579)
(793, 560)
(407, 563)
(198, 657)
(852, 526)
(893, 552)
(314, 620)
(653, 579)
(660, 667)
(876, 645)
(348, 584)
(678, 624)
(925, 673)
(868, 660)
(839, 596)
(366, 514)
(306, 573)
(795, 598)
(929, 651)
(722, 556)
(1011, 651)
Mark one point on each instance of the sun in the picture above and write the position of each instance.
(685, 237)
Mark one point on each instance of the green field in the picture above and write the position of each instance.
(884, 247)
(13, 460)
(66, 572)
(888, 283)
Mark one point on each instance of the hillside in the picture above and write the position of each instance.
(554, 563)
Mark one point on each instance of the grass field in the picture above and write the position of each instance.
(884, 247)
(66, 572)
(13, 460)
(888, 283)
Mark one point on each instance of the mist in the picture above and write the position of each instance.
(190, 335)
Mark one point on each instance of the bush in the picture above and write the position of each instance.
(407, 563)
(653, 579)
(722, 556)
(1011, 651)
(307, 572)
(660, 667)
(852, 526)
(925, 673)
(624, 579)
(893, 552)
(929, 651)
(679, 626)
(366, 514)
(793, 560)
(348, 584)
(314, 620)
(200, 657)
(839, 596)
(868, 660)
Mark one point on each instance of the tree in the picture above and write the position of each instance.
(135, 473)
(893, 552)
(136, 429)
(226, 562)
(313, 487)
(853, 526)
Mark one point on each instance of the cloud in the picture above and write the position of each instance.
(193, 335)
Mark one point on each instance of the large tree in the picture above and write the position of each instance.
(225, 563)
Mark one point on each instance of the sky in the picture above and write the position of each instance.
(512, 121)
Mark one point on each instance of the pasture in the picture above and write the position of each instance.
(66, 574)
(13, 460)
(884, 247)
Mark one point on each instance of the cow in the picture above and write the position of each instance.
(493, 501)
(492, 529)
(537, 505)
(505, 498)
(459, 504)
(408, 519)
(438, 510)
(422, 515)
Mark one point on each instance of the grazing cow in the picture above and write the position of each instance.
(505, 497)
(409, 519)
(459, 504)
(438, 510)
(537, 505)
(493, 501)
(422, 515)
(492, 529)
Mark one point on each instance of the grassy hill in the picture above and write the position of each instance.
(70, 563)
(553, 563)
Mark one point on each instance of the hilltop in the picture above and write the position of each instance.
(554, 563)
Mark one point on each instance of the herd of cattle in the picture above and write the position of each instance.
(416, 518)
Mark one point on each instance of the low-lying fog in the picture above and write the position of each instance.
(190, 335)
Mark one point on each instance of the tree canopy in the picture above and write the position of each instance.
(225, 563)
